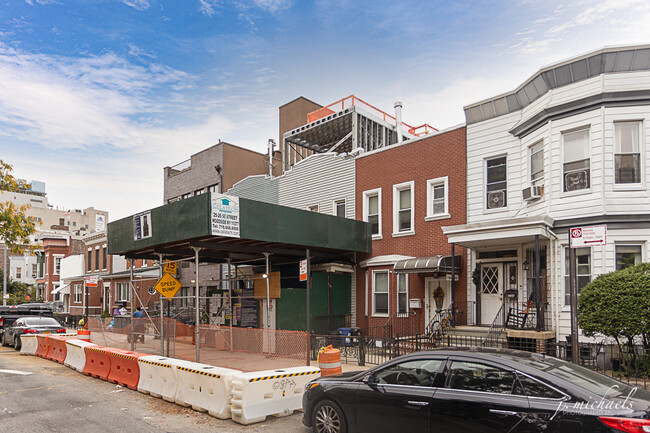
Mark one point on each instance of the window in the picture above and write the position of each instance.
(421, 372)
(583, 269)
(122, 291)
(57, 265)
(19, 273)
(537, 164)
(402, 293)
(61, 221)
(34, 271)
(199, 191)
(187, 195)
(372, 211)
(104, 257)
(185, 293)
(90, 259)
(576, 160)
(313, 208)
(533, 388)
(144, 263)
(403, 208)
(214, 188)
(496, 183)
(339, 208)
(74, 224)
(97, 259)
(77, 293)
(472, 376)
(380, 293)
(627, 255)
(437, 198)
(627, 152)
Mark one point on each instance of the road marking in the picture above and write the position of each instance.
(21, 373)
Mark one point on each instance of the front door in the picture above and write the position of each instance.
(491, 291)
(430, 305)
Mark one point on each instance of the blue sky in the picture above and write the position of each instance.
(97, 96)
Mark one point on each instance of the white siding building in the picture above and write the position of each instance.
(568, 148)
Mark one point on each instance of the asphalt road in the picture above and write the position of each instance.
(38, 396)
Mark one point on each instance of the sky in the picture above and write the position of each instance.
(97, 96)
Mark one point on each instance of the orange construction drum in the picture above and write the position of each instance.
(329, 361)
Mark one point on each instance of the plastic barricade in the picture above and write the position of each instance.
(41, 350)
(56, 350)
(28, 344)
(98, 363)
(158, 376)
(75, 357)
(204, 387)
(259, 394)
(124, 367)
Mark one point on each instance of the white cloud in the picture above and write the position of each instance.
(140, 5)
(273, 6)
(209, 7)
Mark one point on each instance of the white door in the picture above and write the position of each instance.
(491, 291)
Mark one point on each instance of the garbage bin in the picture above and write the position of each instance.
(345, 332)
(355, 332)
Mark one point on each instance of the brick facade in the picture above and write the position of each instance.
(417, 161)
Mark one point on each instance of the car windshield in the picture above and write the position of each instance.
(580, 376)
(41, 321)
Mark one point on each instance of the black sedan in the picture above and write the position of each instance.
(30, 325)
(486, 391)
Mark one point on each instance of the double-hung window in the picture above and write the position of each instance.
(437, 198)
(372, 210)
(77, 293)
(496, 183)
(339, 208)
(123, 291)
(537, 164)
(583, 270)
(576, 167)
(403, 208)
(57, 265)
(627, 255)
(627, 152)
(380, 293)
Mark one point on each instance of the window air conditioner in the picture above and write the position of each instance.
(496, 199)
(532, 193)
(576, 181)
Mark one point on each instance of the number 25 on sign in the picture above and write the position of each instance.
(168, 286)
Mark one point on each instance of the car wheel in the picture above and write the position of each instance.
(328, 418)
(17, 343)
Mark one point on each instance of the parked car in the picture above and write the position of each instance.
(8, 314)
(30, 325)
(475, 391)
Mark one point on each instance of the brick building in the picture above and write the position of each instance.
(55, 247)
(408, 191)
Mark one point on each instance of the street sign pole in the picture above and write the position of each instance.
(573, 299)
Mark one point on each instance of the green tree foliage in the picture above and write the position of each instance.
(19, 293)
(617, 305)
(15, 225)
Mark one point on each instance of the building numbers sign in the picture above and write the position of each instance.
(224, 215)
(588, 236)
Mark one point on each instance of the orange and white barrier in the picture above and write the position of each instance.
(83, 334)
(28, 344)
(56, 350)
(98, 363)
(204, 387)
(259, 394)
(158, 376)
(329, 361)
(124, 367)
(43, 344)
(75, 357)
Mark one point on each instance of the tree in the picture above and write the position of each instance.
(617, 305)
(18, 292)
(15, 225)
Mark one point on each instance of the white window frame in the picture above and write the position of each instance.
(405, 277)
(538, 181)
(366, 195)
(335, 205)
(397, 189)
(123, 288)
(313, 208)
(374, 293)
(566, 271)
(640, 129)
(431, 185)
(104, 257)
(19, 273)
(640, 245)
(57, 269)
(563, 134)
(485, 185)
(78, 294)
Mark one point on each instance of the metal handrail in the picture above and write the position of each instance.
(494, 325)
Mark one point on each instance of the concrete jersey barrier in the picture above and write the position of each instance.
(259, 394)
(205, 387)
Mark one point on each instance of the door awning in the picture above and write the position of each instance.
(63, 290)
(434, 264)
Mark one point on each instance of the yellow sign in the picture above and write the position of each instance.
(168, 286)
(171, 267)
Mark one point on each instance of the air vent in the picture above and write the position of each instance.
(496, 199)
(532, 193)
(576, 181)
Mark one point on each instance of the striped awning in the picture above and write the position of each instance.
(434, 264)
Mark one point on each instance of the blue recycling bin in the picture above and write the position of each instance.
(345, 333)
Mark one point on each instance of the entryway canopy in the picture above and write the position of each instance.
(500, 233)
(434, 264)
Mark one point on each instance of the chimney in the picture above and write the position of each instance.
(398, 120)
